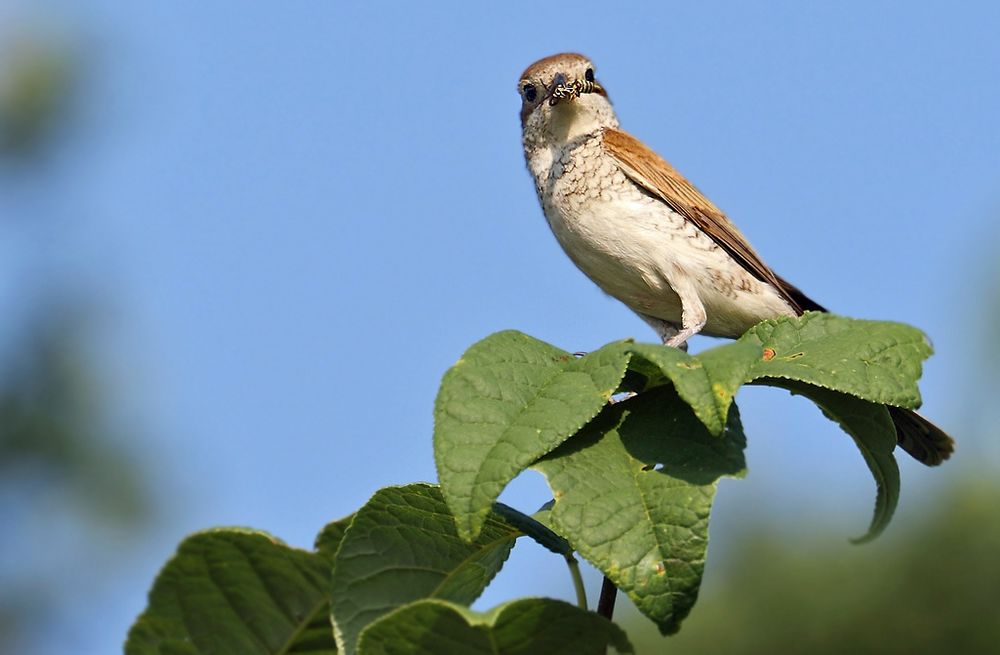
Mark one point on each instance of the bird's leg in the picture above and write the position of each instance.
(680, 339)
(693, 315)
(693, 323)
(664, 329)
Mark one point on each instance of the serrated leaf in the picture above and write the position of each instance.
(509, 400)
(239, 592)
(707, 381)
(870, 425)
(874, 360)
(529, 626)
(633, 491)
(402, 546)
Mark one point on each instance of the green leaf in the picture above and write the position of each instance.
(870, 425)
(874, 360)
(523, 627)
(402, 546)
(240, 592)
(708, 381)
(329, 538)
(633, 491)
(509, 400)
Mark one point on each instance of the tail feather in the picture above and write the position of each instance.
(801, 302)
(926, 442)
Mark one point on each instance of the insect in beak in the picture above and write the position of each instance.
(563, 90)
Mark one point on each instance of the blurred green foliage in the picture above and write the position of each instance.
(71, 495)
(62, 473)
(929, 588)
(51, 424)
(36, 81)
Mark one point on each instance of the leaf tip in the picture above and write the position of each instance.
(866, 538)
(468, 529)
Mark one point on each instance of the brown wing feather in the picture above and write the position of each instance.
(656, 176)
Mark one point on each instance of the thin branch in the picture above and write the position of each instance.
(606, 603)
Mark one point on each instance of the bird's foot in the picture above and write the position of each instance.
(678, 341)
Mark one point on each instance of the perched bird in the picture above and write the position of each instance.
(647, 236)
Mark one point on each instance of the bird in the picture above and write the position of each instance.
(647, 236)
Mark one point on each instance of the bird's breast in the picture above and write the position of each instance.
(632, 245)
(620, 237)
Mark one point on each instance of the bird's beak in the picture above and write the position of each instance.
(561, 89)
(556, 90)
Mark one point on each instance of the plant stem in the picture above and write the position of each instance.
(606, 603)
(574, 571)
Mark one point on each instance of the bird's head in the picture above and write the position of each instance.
(561, 99)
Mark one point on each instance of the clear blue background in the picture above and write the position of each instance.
(295, 216)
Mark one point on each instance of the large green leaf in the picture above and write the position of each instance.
(402, 546)
(633, 491)
(529, 626)
(874, 360)
(509, 400)
(707, 382)
(239, 592)
(875, 436)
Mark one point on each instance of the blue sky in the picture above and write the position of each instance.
(294, 217)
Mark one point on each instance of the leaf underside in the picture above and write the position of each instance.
(239, 592)
(871, 428)
(633, 491)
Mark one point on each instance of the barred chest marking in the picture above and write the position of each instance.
(631, 244)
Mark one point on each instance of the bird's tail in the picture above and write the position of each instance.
(926, 442)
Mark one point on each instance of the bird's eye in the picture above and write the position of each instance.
(589, 75)
(529, 92)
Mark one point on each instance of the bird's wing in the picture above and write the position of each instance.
(660, 179)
